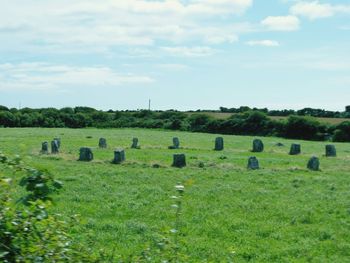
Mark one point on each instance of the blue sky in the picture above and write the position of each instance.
(182, 54)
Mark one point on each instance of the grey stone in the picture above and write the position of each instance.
(45, 148)
(258, 146)
(253, 163)
(179, 160)
(119, 156)
(102, 143)
(219, 144)
(58, 142)
(176, 143)
(314, 164)
(295, 149)
(135, 142)
(331, 151)
(86, 154)
(54, 147)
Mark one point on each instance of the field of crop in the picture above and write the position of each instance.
(280, 213)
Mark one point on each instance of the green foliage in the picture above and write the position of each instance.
(30, 233)
(244, 121)
(303, 128)
(342, 132)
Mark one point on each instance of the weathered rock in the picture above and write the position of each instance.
(119, 156)
(58, 142)
(219, 144)
(102, 143)
(45, 148)
(258, 146)
(86, 154)
(295, 149)
(135, 142)
(179, 160)
(176, 143)
(331, 151)
(314, 164)
(54, 147)
(253, 163)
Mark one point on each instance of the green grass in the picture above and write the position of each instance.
(281, 213)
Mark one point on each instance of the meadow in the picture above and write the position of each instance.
(280, 213)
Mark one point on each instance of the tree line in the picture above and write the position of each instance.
(320, 113)
(250, 122)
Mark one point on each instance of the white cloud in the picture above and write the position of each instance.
(44, 76)
(265, 43)
(84, 24)
(281, 23)
(315, 9)
(189, 51)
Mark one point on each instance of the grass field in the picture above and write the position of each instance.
(225, 115)
(281, 213)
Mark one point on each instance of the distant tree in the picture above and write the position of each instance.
(342, 132)
(3, 108)
(7, 119)
(302, 128)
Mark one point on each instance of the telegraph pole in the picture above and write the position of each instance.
(149, 104)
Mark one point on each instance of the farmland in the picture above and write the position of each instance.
(280, 213)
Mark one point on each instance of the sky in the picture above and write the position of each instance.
(181, 54)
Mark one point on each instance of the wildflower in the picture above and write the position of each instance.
(180, 188)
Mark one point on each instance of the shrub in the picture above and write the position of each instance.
(342, 132)
(29, 233)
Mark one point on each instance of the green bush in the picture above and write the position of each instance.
(342, 132)
(29, 233)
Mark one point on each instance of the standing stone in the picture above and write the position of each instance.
(258, 146)
(102, 143)
(253, 163)
(135, 142)
(219, 144)
(176, 143)
(45, 148)
(58, 142)
(54, 147)
(179, 160)
(86, 154)
(331, 151)
(119, 156)
(295, 149)
(314, 164)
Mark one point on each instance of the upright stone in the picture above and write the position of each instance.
(314, 164)
(135, 142)
(58, 142)
(54, 147)
(258, 146)
(45, 148)
(219, 144)
(295, 149)
(253, 163)
(331, 151)
(119, 156)
(179, 160)
(102, 143)
(176, 143)
(86, 154)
